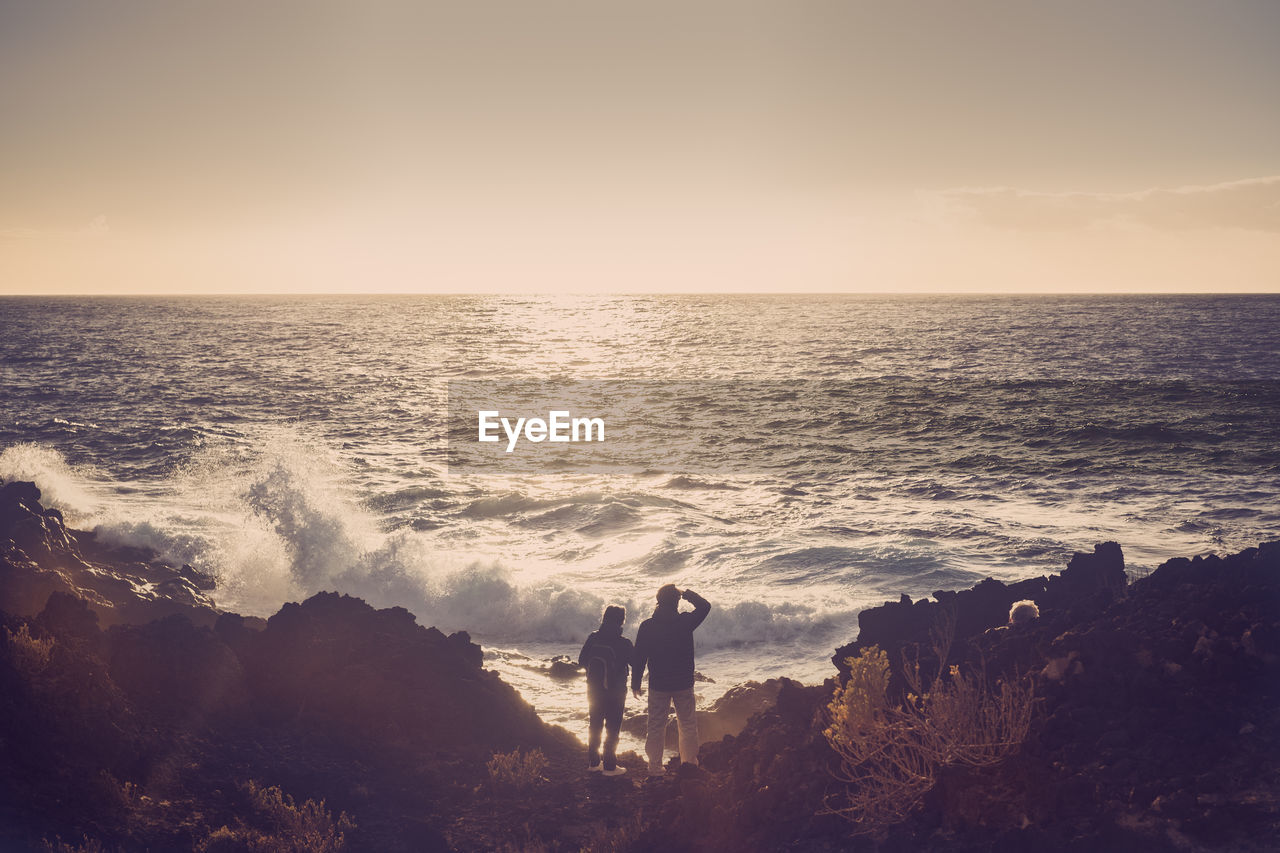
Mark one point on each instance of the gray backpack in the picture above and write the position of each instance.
(602, 665)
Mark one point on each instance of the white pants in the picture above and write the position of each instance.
(659, 714)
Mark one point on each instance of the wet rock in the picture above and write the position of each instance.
(37, 532)
(202, 581)
(564, 668)
(739, 704)
(39, 556)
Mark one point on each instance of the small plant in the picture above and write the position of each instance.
(29, 654)
(891, 751)
(88, 845)
(511, 769)
(305, 828)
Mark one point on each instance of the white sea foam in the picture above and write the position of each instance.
(274, 522)
(64, 487)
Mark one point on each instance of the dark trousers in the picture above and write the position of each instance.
(606, 713)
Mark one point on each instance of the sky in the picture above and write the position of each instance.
(194, 146)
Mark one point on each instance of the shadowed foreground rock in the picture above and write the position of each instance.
(1158, 725)
(133, 714)
(143, 735)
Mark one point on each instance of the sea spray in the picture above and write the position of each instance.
(274, 522)
(67, 488)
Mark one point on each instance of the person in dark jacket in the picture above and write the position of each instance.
(664, 643)
(606, 655)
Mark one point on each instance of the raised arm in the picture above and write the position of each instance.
(701, 607)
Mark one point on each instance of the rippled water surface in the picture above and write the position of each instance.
(296, 444)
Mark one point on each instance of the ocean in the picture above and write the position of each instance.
(859, 448)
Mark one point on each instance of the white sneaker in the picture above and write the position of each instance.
(596, 768)
(617, 771)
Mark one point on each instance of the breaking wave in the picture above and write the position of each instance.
(276, 523)
(62, 486)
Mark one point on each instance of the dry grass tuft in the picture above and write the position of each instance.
(87, 845)
(305, 828)
(29, 654)
(513, 770)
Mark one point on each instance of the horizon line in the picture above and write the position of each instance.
(651, 293)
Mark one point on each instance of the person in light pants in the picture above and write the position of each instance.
(664, 644)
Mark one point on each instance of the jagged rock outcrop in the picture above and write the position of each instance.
(335, 663)
(1089, 582)
(1157, 726)
(39, 555)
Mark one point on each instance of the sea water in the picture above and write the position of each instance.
(870, 446)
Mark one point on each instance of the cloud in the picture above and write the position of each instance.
(1251, 205)
(20, 234)
(96, 229)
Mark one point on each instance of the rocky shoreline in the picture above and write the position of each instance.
(136, 716)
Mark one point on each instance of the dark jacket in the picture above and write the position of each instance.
(613, 653)
(665, 643)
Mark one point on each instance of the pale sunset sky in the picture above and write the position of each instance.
(209, 146)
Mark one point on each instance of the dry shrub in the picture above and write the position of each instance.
(891, 752)
(305, 828)
(87, 845)
(29, 654)
(124, 797)
(511, 769)
(973, 725)
(884, 752)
